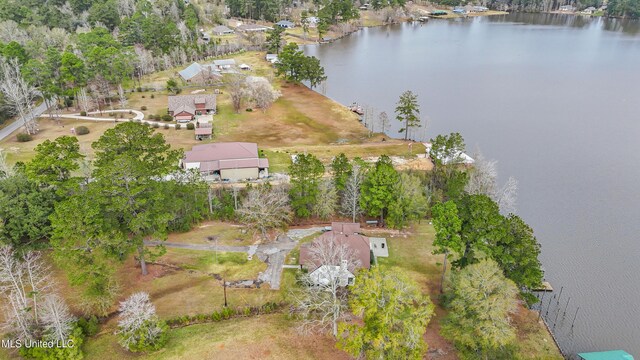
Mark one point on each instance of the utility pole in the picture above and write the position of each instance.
(224, 286)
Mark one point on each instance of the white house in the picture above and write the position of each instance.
(327, 274)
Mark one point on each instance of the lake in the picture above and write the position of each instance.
(556, 100)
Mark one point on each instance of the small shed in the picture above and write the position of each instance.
(606, 355)
(203, 133)
(244, 67)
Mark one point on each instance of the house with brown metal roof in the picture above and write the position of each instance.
(184, 108)
(341, 233)
(226, 161)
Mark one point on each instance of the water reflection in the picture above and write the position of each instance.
(626, 26)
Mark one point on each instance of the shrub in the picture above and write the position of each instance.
(143, 96)
(178, 126)
(167, 117)
(249, 109)
(24, 137)
(216, 316)
(48, 353)
(139, 89)
(121, 116)
(143, 108)
(156, 125)
(89, 326)
(82, 130)
(83, 113)
(166, 126)
(190, 126)
(140, 339)
(153, 96)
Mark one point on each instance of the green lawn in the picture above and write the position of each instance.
(263, 337)
(215, 232)
(279, 161)
(229, 265)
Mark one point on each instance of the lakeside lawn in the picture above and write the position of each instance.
(413, 253)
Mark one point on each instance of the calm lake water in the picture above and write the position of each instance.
(556, 100)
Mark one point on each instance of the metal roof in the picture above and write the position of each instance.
(191, 71)
(607, 355)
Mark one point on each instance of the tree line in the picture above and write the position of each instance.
(95, 214)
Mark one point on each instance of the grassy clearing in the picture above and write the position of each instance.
(49, 129)
(263, 337)
(222, 232)
(278, 161)
(229, 265)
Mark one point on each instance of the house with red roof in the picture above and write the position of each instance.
(226, 161)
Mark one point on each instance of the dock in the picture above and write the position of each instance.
(546, 286)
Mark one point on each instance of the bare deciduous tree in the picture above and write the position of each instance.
(6, 170)
(57, 320)
(236, 86)
(383, 119)
(322, 302)
(506, 197)
(23, 281)
(327, 202)
(135, 312)
(264, 208)
(84, 101)
(18, 94)
(483, 180)
(122, 97)
(350, 205)
(261, 92)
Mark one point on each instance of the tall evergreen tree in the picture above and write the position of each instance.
(408, 112)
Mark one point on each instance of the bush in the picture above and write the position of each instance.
(249, 109)
(121, 116)
(167, 117)
(89, 326)
(139, 89)
(190, 126)
(143, 108)
(141, 341)
(67, 353)
(156, 125)
(166, 126)
(143, 96)
(153, 96)
(83, 113)
(178, 126)
(82, 130)
(24, 137)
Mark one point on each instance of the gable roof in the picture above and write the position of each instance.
(222, 151)
(221, 29)
(224, 62)
(356, 242)
(251, 27)
(190, 71)
(178, 103)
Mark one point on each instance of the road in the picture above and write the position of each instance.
(17, 123)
